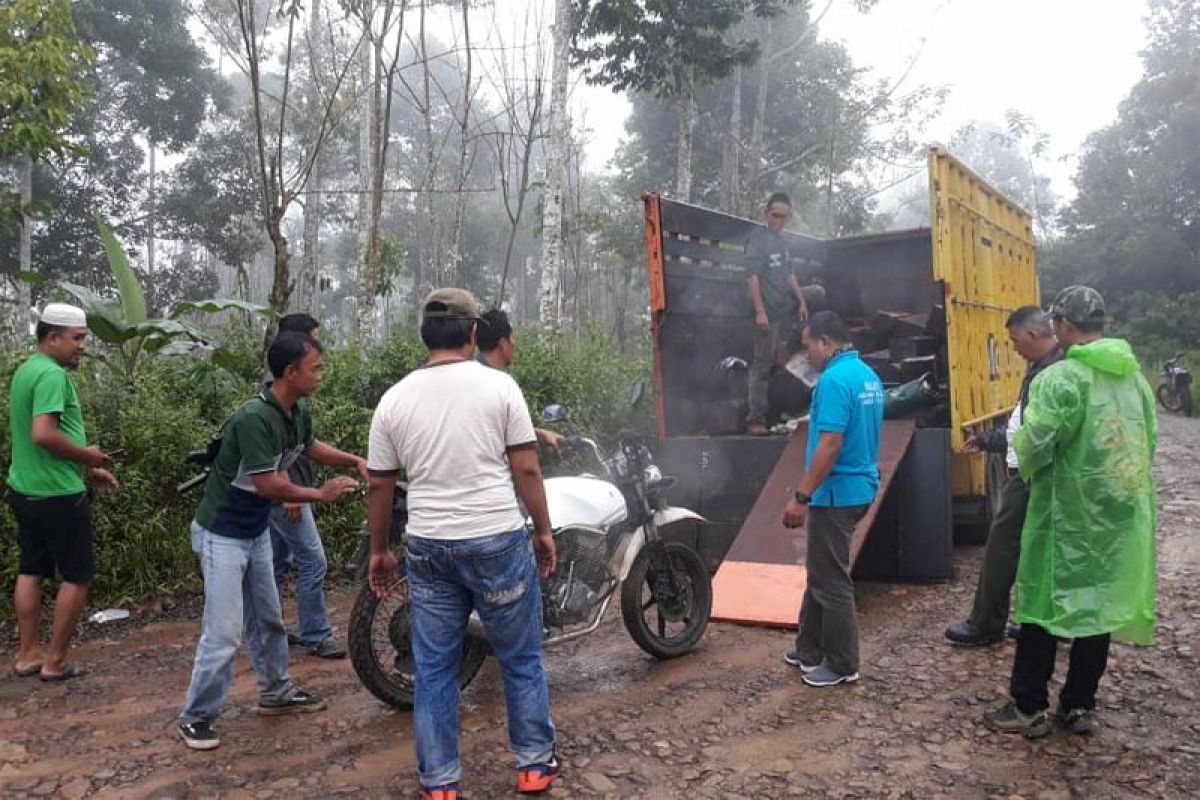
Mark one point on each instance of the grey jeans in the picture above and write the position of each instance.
(770, 352)
(1000, 558)
(828, 631)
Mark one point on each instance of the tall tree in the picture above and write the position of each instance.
(816, 95)
(42, 63)
(381, 20)
(667, 48)
(1135, 222)
(521, 88)
(240, 27)
(550, 293)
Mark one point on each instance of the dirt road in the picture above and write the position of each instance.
(729, 721)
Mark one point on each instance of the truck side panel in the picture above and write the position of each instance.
(983, 250)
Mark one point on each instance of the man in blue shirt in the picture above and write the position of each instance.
(840, 480)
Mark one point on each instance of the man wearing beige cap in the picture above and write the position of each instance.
(463, 436)
(47, 491)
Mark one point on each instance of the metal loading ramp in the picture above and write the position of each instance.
(763, 576)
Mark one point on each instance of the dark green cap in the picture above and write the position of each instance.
(1077, 304)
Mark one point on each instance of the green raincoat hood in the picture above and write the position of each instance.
(1113, 356)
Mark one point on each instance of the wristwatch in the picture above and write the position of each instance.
(803, 499)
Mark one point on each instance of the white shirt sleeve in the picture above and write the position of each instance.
(518, 427)
(382, 453)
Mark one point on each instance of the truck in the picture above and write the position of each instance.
(925, 304)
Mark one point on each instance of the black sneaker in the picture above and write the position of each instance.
(1009, 719)
(328, 649)
(299, 703)
(1078, 720)
(967, 634)
(294, 639)
(199, 735)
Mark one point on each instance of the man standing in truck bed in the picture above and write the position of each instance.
(778, 304)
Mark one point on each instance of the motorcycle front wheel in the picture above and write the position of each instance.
(1171, 399)
(380, 644)
(666, 600)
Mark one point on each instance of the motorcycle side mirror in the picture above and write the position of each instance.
(554, 413)
(637, 393)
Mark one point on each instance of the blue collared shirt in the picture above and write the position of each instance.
(848, 400)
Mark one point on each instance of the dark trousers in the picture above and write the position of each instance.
(828, 631)
(1034, 664)
(1000, 557)
(770, 352)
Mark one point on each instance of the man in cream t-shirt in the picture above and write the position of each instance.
(463, 436)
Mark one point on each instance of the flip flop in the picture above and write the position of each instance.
(28, 672)
(71, 671)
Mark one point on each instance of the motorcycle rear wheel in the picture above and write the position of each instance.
(380, 647)
(1172, 399)
(648, 610)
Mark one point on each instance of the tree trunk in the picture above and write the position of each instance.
(281, 285)
(731, 169)
(754, 158)
(686, 102)
(460, 197)
(364, 306)
(550, 295)
(310, 267)
(152, 201)
(25, 247)
(428, 264)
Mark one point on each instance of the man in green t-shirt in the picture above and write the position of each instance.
(46, 490)
(230, 534)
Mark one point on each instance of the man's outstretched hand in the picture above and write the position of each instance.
(546, 552)
(334, 488)
(382, 573)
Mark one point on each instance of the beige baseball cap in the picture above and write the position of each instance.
(449, 303)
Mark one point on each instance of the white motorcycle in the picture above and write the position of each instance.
(607, 530)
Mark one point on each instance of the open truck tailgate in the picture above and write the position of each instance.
(763, 576)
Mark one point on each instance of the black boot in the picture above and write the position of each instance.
(967, 634)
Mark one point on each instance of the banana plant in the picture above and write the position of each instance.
(125, 323)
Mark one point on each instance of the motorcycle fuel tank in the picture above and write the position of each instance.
(583, 501)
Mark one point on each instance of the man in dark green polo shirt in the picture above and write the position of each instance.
(230, 534)
(47, 492)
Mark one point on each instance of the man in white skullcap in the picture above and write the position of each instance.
(51, 461)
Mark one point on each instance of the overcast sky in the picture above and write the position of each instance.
(1065, 63)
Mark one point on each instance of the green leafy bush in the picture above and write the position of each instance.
(143, 548)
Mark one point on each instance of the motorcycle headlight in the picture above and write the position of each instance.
(652, 474)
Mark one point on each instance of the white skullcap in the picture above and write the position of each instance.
(64, 316)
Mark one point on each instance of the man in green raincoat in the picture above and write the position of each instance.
(1087, 568)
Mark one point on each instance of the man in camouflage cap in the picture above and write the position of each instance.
(1087, 568)
(1079, 305)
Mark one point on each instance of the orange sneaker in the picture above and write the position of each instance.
(537, 778)
(447, 791)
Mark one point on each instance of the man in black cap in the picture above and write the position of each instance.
(463, 436)
(497, 343)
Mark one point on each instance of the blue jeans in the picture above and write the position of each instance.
(239, 595)
(497, 576)
(301, 540)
